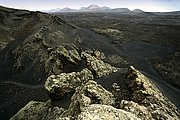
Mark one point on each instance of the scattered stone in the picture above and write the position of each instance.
(116, 87)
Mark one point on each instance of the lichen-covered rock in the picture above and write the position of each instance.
(105, 112)
(64, 55)
(39, 36)
(99, 55)
(134, 108)
(91, 101)
(53, 65)
(68, 53)
(58, 85)
(98, 67)
(117, 60)
(89, 93)
(147, 94)
(40, 111)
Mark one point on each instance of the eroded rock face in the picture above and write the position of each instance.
(89, 93)
(39, 111)
(147, 94)
(134, 108)
(105, 112)
(91, 101)
(98, 67)
(58, 85)
(62, 56)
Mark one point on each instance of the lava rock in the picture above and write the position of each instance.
(147, 94)
(39, 111)
(98, 67)
(59, 85)
(89, 93)
(105, 112)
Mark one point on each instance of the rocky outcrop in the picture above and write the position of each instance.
(147, 94)
(60, 57)
(134, 108)
(98, 67)
(59, 85)
(105, 112)
(89, 93)
(39, 111)
(91, 101)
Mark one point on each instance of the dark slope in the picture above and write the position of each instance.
(24, 59)
(29, 41)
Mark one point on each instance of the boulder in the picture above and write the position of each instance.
(134, 108)
(68, 54)
(64, 55)
(98, 67)
(105, 112)
(59, 85)
(91, 101)
(39, 111)
(89, 93)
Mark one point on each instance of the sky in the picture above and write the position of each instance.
(146, 5)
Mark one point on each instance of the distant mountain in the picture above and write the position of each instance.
(121, 10)
(94, 8)
(138, 11)
(67, 10)
(168, 13)
(52, 11)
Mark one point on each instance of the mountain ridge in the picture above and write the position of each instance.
(91, 8)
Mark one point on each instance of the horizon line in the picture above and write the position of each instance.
(43, 10)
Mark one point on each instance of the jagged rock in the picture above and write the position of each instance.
(58, 20)
(92, 101)
(134, 108)
(89, 93)
(116, 60)
(98, 67)
(53, 65)
(105, 112)
(62, 56)
(147, 94)
(99, 55)
(39, 36)
(40, 111)
(58, 85)
(68, 53)
(115, 87)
